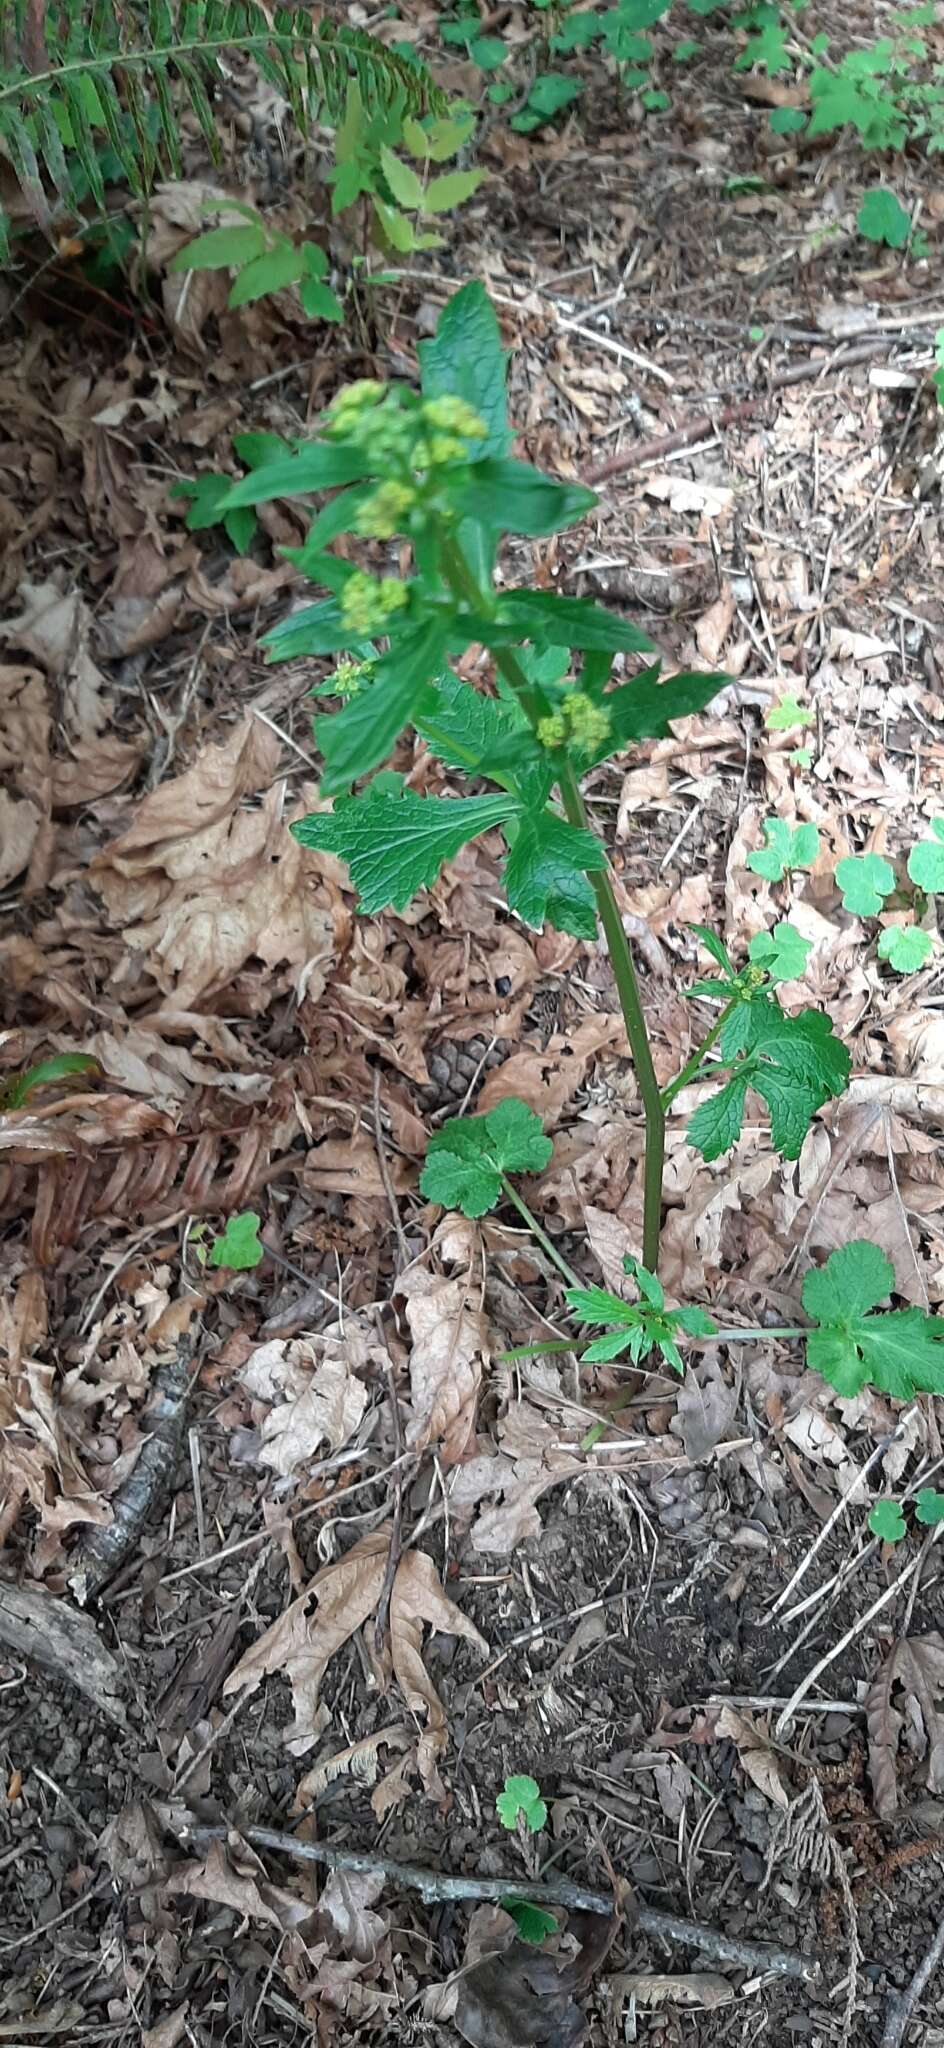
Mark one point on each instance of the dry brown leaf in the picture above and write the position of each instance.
(200, 883)
(450, 1335)
(54, 626)
(702, 1989)
(529, 1465)
(712, 629)
(611, 1241)
(301, 1644)
(314, 1404)
(232, 1876)
(705, 1410)
(547, 1080)
(358, 1760)
(917, 1665)
(757, 1754)
(417, 1596)
(346, 1903)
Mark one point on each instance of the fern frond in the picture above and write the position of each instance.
(85, 72)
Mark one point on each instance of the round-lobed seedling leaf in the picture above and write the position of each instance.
(865, 880)
(239, 1247)
(926, 860)
(929, 1506)
(906, 947)
(882, 218)
(887, 1521)
(521, 1795)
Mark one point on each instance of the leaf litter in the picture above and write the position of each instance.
(171, 928)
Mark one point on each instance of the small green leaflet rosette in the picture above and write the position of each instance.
(467, 1160)
(636, 1327)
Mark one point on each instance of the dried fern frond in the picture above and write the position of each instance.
(83, 73)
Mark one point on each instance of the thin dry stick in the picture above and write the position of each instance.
(830, 1657)
(403, 1249)
(855, 1482)
(739, 409)
(902, 2005)
(434, 1886)
(396, 1523)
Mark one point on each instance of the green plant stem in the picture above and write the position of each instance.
(692, 1065)
(532, 1351)
(627, 985)
(465, 586)
(547, 1243)
(718, 1337)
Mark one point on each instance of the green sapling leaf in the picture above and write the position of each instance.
(887, 1521)
(882, 218)
(926, 860)
(533, 1923)
(794, 1063)
(906, 947)
(466, 1159)
(900, 1351)
(865, 880)
(787, 713)
(787, 847)
(783, 953)
(521, 1795)
(239, 1247)
(929, 1506)
(545, 874)
(395, 845)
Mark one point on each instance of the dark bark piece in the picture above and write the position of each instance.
(105, 1550)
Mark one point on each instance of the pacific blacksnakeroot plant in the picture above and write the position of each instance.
(432, 468)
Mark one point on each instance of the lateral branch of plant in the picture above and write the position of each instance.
(432, 468)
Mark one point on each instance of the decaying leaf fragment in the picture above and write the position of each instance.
(917, 1666)
(450, 1348)
(302, 1642)
(756, 1752)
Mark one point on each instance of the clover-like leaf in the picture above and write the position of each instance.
(788, 847)
(467, 1159)
(900, 1351)
(929, 1506)
(906, 947)
(887, 1521)
(926, 860)
(865, 880)
(782, 953)
(239, 1247)
(521, 1795)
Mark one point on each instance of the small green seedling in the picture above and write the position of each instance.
(788, 711)
(788, 847)
(900, 1351)
(61, 1066)
(783, 953)
(521, 1801)
(938, 375)
(207, 492)
(906, 947)
(926, 860)
(882, 218)
(534, 1924)
(887, 1520)
(240, 1247)
(636, 1328)
(865, 880)
(264, 261)
(468, 1159)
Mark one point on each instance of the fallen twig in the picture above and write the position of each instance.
(737, 409)
(105, 1550)
(434, 1886)
(902, 2004)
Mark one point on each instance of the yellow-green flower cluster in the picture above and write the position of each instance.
(368, 602)
(579, 723)
(350, 677)
(386, 511)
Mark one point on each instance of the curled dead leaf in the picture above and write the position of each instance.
(449, 1329)
(916, 1665)
(757, 1754)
